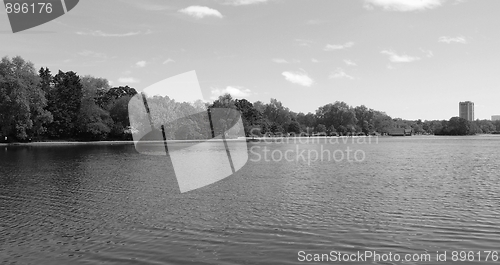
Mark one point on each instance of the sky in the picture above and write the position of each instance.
(413, 59)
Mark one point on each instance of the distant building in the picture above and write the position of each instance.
(466, 110)
(400, 132)
(495, 118)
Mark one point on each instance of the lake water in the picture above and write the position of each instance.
(108, 204)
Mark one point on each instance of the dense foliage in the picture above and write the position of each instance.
(43, 106)
(62, 106)
(339, 118)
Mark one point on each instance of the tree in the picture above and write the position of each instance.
(106, 101)
(94, 88)
(338, 114)
(276, 113)
(119, 115)
(497, 125)
(456, 126)
(331, 130)
(22, 101)
(251, 117)
(321, 129)
(93, 121)
(459, 126)
(46, 79)
(432, 127)
(224, 101)
(294, 127)
(65, 100)
(259, 106)
(307, 120)
(382, 122)
(342, 130)
(364, 117)
(418, 127)
(484, 126)
(186, 132)
(276, 128)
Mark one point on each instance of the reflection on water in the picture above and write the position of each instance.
(94, 204)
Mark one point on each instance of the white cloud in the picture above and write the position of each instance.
(349, 62)
(169, 60)
(339, 73)
(298, 78)
(235, 91)
(200, 12)
(396, 58)
(129, 80)
(403, 5)
(314, 60)
(244, 2)
(279, 60)
(140, 64)
(99, 33)
(459, 39)
(332, 47)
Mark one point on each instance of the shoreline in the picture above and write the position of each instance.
(249, 139)
(62, 143)
(66, 143)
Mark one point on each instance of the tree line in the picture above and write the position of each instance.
(43, 106)
(339, 118)
(40, 105)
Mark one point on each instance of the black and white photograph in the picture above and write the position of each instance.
(249, 132)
